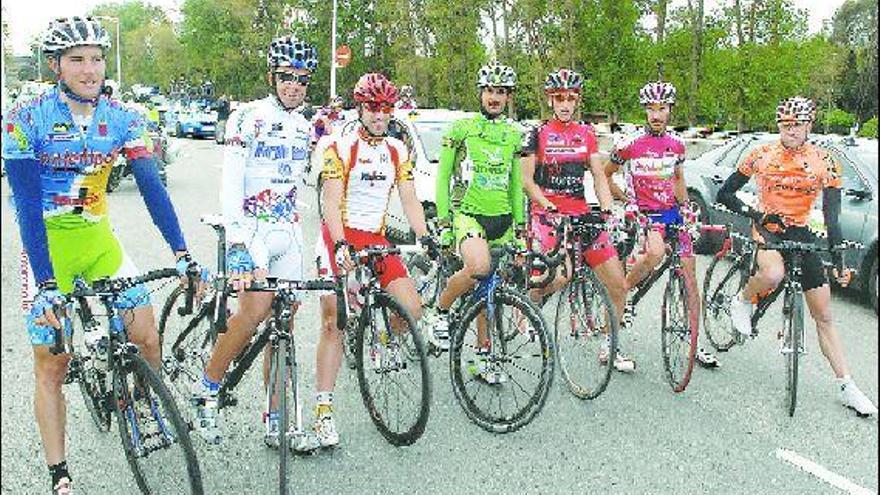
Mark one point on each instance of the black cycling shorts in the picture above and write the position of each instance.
(813, 274)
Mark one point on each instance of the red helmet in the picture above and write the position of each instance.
(375, 87)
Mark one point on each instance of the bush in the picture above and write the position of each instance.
(838, 120)
(869, 128)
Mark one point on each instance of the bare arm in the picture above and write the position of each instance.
(332, 208)
(412, 208)
(528, 177)
(598, 165)
(681, 193)
(611, 168)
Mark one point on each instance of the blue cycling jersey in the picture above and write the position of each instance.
(75, 161)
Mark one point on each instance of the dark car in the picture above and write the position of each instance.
(706, 173)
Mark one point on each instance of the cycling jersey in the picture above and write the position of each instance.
(73, 158)
(789, 181)
(488, 153)
(267, 152)
(405, 105)
(650, 162)
(369, 168)
(562, 153)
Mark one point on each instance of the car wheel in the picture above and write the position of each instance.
(872, 282)
(708, 242)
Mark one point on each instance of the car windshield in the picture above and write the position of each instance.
(431, 134)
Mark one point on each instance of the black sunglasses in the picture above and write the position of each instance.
(286, 77)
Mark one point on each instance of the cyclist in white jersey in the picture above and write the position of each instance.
(267, 150)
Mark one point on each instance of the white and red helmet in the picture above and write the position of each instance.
(657, 92)
(375, 87)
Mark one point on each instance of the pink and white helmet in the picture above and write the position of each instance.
(657, 92)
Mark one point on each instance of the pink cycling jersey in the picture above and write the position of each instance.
(649, 167)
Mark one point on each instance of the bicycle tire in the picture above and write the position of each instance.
(794, 325)
(372, 356)
(585, 291)
(185, 356)
(280, 355)
(93, 386)
(169, 424)
(462, 366)
(678, 331)
(724, 280)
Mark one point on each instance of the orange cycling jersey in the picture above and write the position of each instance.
(789, 181)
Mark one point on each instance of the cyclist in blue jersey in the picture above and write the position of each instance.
(59, 149)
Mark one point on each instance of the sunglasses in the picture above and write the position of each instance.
(377, 106)
(562, 97)
(286, 77)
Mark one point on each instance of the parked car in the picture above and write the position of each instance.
(197, 123)
(706, 173)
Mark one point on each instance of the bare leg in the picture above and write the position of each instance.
(819, 302)
(49, 406)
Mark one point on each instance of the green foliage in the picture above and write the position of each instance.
(838, 118)
(745, 61)
(869, 128)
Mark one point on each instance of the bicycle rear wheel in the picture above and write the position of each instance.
(93, 385)
(392, 370)
(679, 331)
(791, 348)
(585, 322)
(154, 437)
(724, 280)
(504, 387)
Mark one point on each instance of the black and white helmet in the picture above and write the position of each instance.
(657, 92)
(496, 75)
(796, 109)
(68, 32)
(290, 52)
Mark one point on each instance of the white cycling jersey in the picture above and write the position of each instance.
(265, 159)
(369, 168)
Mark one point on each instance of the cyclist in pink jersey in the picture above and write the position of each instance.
(556, 156)
(655, 186)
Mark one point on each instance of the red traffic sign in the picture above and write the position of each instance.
(343, 55)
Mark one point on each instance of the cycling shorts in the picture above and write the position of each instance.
(813, 274)
(600, 250)
(278, 248)
(90, 252)
(389, 269)
(497, 230)
(672, 216)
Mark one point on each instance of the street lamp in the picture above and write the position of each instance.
(118, 47)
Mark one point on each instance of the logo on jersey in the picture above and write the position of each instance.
(102, 129)
(16, 133)
(373, 177)
(271, 152)
(60, 127)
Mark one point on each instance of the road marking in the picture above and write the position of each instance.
(820, 472)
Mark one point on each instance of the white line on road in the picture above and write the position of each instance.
(820, 472)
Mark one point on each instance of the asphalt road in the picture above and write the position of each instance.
(727, 433)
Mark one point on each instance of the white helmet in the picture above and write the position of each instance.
(657, 92)
(68, 32)
(496, 75)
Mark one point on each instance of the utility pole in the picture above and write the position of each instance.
(333, 53)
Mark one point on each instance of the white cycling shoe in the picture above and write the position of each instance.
(853, 398)
(741, 315)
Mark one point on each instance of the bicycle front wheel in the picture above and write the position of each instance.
(724, 280)
(501, 383)
(586, 326)
(154, 437)
(392, 370)
(679, 331)
(791, 348)
(186, 343)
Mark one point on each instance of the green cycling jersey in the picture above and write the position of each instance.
(492, 150)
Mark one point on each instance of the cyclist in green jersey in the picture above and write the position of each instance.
(486, 151)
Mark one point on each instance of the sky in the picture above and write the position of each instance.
(28, 18)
